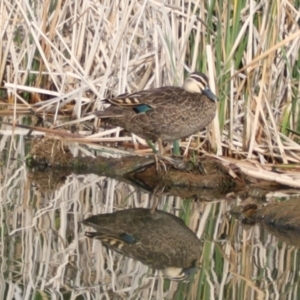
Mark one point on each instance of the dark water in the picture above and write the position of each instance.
(46, 255)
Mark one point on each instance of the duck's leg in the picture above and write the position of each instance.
(176, 148)
(160, 146)
(150, 144)
(157, 154)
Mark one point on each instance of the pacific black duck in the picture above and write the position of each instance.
(157, 239)
(166, 113)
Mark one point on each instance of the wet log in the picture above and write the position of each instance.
(207, 176)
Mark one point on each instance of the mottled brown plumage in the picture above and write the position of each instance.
(166, 113)
(158, 239)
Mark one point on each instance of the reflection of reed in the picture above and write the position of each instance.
(281, 219)
(159, 239)
(44, 252)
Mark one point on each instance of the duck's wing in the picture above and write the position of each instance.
(148, 99)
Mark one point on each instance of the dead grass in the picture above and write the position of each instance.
(59, 59)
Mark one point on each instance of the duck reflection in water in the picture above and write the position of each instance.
(155, 238)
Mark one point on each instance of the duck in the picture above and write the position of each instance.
(156, 238)
(162, 114)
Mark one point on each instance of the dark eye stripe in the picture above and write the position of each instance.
(201, 78)
(200, 85)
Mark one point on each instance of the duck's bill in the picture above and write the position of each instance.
(210, 95)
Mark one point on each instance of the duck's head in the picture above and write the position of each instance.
(198, 83)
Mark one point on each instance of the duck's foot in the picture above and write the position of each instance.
(177, 162)
(159, 163)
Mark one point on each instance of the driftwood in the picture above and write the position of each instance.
(204, 177)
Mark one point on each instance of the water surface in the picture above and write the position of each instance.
(44, 252)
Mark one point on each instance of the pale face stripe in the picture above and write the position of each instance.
(200, 78)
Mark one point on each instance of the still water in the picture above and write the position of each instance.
(48, 253)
